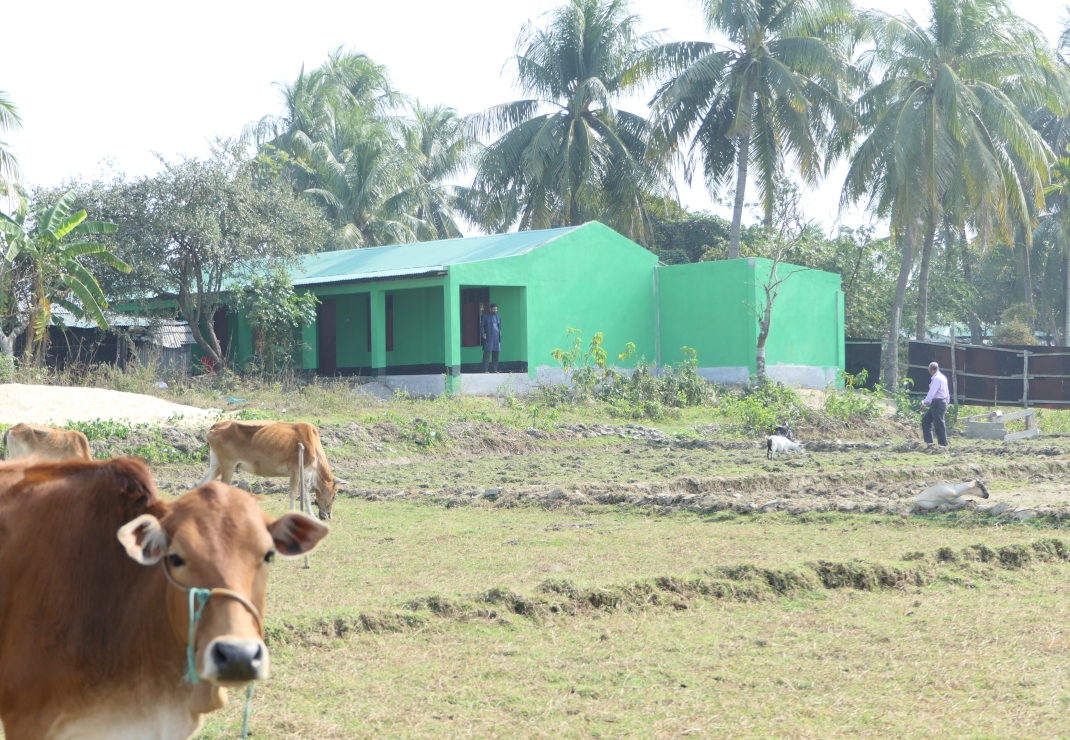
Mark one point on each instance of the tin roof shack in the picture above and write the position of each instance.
(409, 314)
(74, 342)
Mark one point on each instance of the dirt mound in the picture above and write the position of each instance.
(51, 404)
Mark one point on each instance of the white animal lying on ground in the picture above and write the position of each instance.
(947, 493)
(777, 444)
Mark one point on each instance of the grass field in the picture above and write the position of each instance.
(635, 625)
(652, 597)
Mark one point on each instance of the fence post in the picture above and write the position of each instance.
(954, 376)
(1025, 379)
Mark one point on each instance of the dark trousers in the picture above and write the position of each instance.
(934, 417)
(486, 361)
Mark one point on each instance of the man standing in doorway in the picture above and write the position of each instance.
(490, 327)
(937, 403)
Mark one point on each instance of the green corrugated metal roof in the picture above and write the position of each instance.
(419, 258)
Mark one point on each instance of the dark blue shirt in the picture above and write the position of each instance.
(490, 330)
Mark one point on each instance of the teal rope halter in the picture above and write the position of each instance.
(198, 599)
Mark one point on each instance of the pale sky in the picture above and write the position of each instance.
(110, 81)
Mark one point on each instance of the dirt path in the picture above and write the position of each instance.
(49, 404)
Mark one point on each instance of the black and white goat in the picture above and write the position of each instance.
(776, 445)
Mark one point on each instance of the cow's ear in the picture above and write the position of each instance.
(295, 533)
(144, 539)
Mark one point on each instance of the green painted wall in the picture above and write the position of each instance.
(702, 306)
(806, 327)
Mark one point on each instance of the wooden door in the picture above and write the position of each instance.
(327, 337)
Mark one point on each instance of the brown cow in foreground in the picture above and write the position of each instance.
(45, 443)
(269, 449)
(93, 636)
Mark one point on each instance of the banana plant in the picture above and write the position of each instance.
(50, 244)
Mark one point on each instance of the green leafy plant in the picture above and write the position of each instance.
(907, 408)
(101, 428)
(256, 415)
(854, 402)
(758, 408)
(47, 243)
(275, 314)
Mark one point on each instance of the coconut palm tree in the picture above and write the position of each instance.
(58, 276)
(9, 164)
(775, 94)
(367, 182)
(1057, 223)
(441, 147)
(945, 115)
(566, 154)
(312, 101)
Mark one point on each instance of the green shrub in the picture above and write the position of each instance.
(854, 402)
(759, 407)
(257, 415)
(641, 394)
(100, 428)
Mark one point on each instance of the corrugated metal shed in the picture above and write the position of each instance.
(420, 258)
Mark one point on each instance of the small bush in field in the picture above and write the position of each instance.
(854, 402)
(758, 408)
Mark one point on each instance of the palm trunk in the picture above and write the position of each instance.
(891, 356)
(921, 329)
(1027, 278)
(1066, 299)
(975, 324)
(742, 159)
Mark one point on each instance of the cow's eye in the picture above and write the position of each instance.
(270, 557)
(175, 561)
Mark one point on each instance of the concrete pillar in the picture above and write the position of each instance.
(524, 326)
(451, 331)
(378, 320)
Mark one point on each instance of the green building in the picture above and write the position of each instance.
(409, 313)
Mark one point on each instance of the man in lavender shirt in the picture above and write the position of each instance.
(937, 403)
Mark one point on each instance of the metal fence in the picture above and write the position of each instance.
(863, 354)
(1034, 376)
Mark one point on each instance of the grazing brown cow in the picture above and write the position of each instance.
(45, 443)
(94, 631)
(269, 449)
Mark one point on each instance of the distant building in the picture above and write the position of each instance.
(409, 314)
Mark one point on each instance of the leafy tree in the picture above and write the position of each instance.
(199, 229)
(775, 94)
(42, 242)
(275, 313)
(566, 155)
(688, 237)
(944, 129)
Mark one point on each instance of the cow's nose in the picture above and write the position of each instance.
(239, 660)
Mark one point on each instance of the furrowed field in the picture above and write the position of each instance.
(504, 568)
